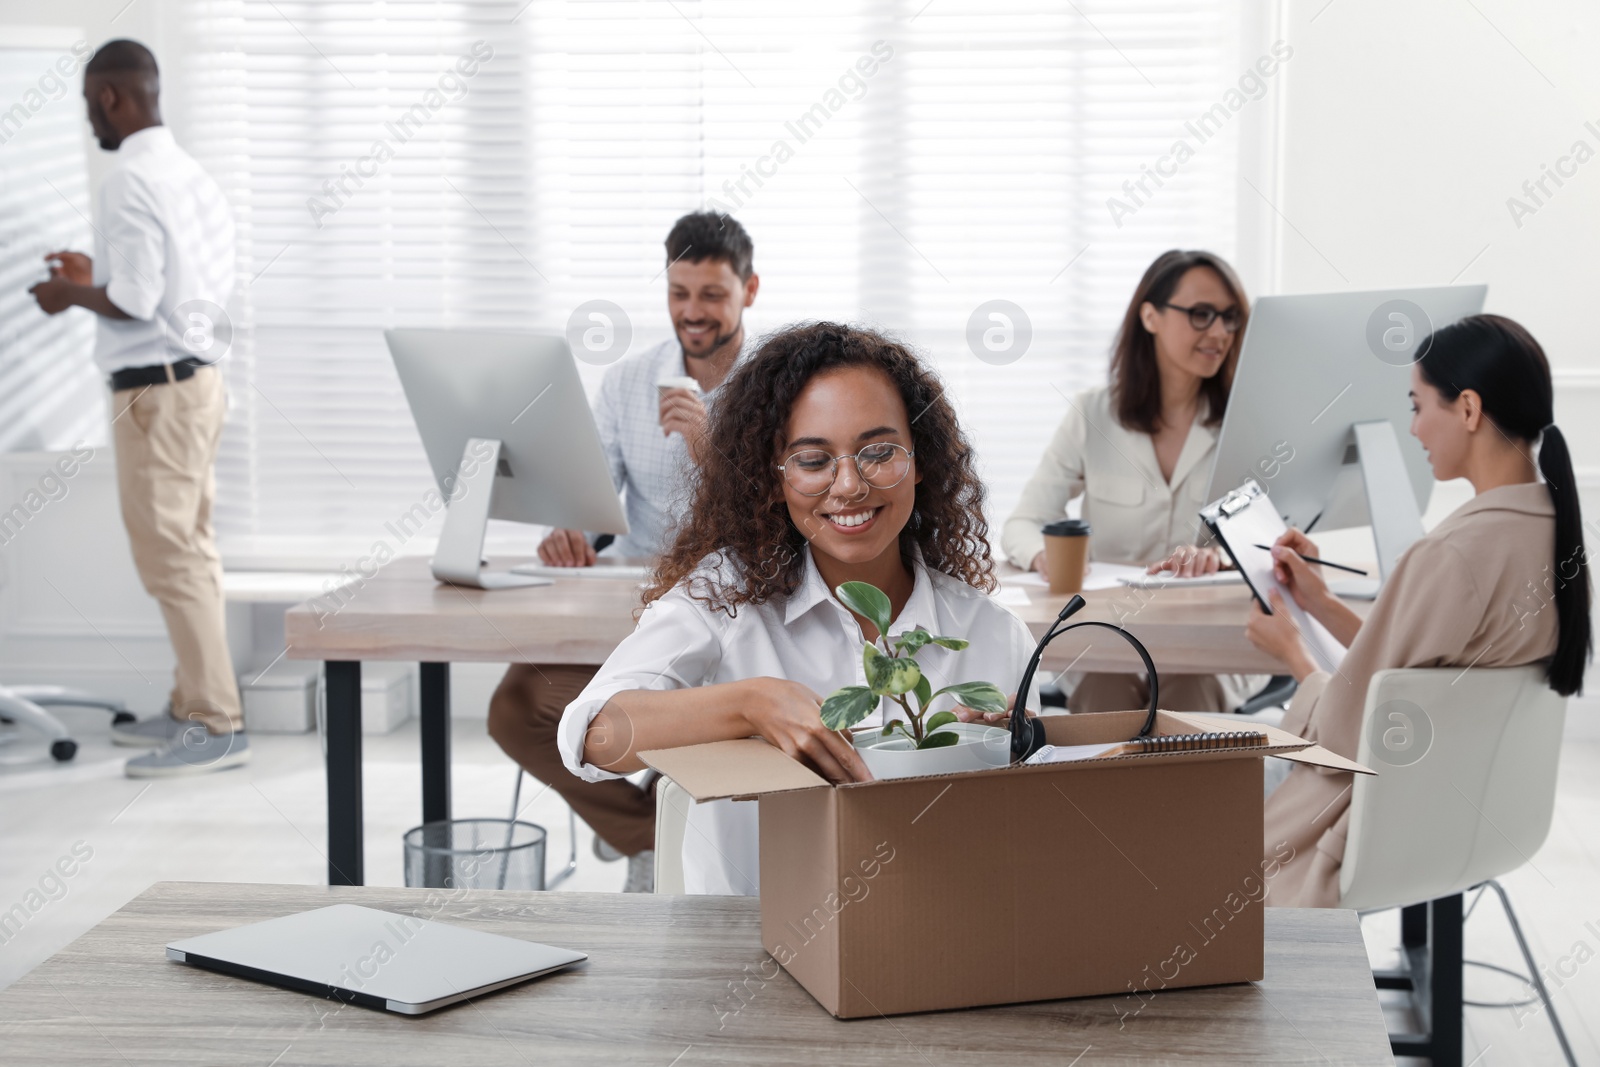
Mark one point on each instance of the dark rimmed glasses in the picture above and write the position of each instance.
(1201, 316)
(811, 471)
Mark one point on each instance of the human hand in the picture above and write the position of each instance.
(1189, 561)
(1304, 582)
(789, 716)
(54, 296)
(566, 548)
(682, 411)
(1037, 566)
(993, 718)
(1277, 635)
(74, 267)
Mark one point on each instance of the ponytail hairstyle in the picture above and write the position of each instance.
(1499, 360)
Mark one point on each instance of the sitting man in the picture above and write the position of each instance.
(652, 437)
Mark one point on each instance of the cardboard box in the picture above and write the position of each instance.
(1125, 874)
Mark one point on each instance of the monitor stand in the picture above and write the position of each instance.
(1396, 520)
(459, 557)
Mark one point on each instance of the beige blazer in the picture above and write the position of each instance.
(1135, 515)
(1462, 595)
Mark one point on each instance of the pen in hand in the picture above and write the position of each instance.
(1320, 562)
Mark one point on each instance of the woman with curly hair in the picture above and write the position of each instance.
(834, 457)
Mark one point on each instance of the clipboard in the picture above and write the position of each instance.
(1244, 518)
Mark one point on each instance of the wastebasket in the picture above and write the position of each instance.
(475, 854)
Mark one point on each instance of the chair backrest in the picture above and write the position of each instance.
(1466, 782)
(672, 820)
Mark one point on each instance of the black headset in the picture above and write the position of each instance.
(1027, 736)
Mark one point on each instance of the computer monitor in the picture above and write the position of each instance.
(509, 435)
(1319, 413)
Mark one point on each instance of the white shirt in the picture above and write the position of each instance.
(808, 637)
(651, 470)
(1135, 515)
(164, 251)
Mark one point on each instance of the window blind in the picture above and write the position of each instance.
(898, 164)
(50, 394)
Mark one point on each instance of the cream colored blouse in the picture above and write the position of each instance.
(1135, 515)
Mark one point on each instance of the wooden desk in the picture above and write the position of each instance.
(404, 614)
(657, 991)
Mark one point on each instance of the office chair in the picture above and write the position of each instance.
(572, 833)
(25, 706)
(1440, 820)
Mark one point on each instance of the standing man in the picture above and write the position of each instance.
(162, 269)
(652, 438)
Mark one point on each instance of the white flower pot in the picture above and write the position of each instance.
(980, 748)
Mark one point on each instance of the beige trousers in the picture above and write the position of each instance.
(166, 440)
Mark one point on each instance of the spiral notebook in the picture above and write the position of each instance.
(1243, 519)
(1144, 746)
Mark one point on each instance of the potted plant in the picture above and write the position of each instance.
(919, 742)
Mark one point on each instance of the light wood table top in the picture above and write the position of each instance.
(657, 991)
(404, 614)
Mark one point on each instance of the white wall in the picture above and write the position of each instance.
(1407, 126)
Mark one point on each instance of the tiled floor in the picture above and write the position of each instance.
(265, 823)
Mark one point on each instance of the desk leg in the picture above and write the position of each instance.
(435, 742)
(345, 842)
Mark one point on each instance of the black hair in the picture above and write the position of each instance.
(703, 235)
(123, 55)
(1500, 361)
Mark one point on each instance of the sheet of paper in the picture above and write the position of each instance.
(1165, 580)
(1069, 753)
(1011, 596)
(1260, 524)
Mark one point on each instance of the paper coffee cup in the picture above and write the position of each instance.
(1066, 554)
(682, 381)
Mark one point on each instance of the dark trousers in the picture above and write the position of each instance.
(524, 715)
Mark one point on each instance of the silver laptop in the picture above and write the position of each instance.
(374, 959)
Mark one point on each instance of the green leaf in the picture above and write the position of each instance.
(889, 727)
(889, 675)
(868, 601)
(943, 740)
(848, 706)
(944, 718)
(979, 696)
(912, 640)
(924, 692)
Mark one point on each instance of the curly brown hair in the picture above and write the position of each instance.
(738, 508)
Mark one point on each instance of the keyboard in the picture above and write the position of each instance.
(630, 572)
(1166, 579)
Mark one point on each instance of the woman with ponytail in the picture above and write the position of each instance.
(1501, 582)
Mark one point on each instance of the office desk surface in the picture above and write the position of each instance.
(658, 990)
(404, 614)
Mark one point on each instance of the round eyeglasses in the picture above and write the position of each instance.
(1201, 316)
(811, 472)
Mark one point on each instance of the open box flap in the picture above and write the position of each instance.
(1317, 756)
(748, 767)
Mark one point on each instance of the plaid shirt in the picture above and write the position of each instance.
(652, 471)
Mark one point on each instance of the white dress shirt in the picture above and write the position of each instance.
(1135, 514)
(651, 470)
(164, 240)
(808, 637)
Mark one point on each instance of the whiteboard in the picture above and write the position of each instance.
(51, 396)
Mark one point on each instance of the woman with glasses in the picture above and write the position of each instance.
(834, 456)
(1140, 450)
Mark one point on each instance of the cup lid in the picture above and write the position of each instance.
(1066, 528)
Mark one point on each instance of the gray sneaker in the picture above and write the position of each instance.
(147, 733)
(641, 872)
(193, 751)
